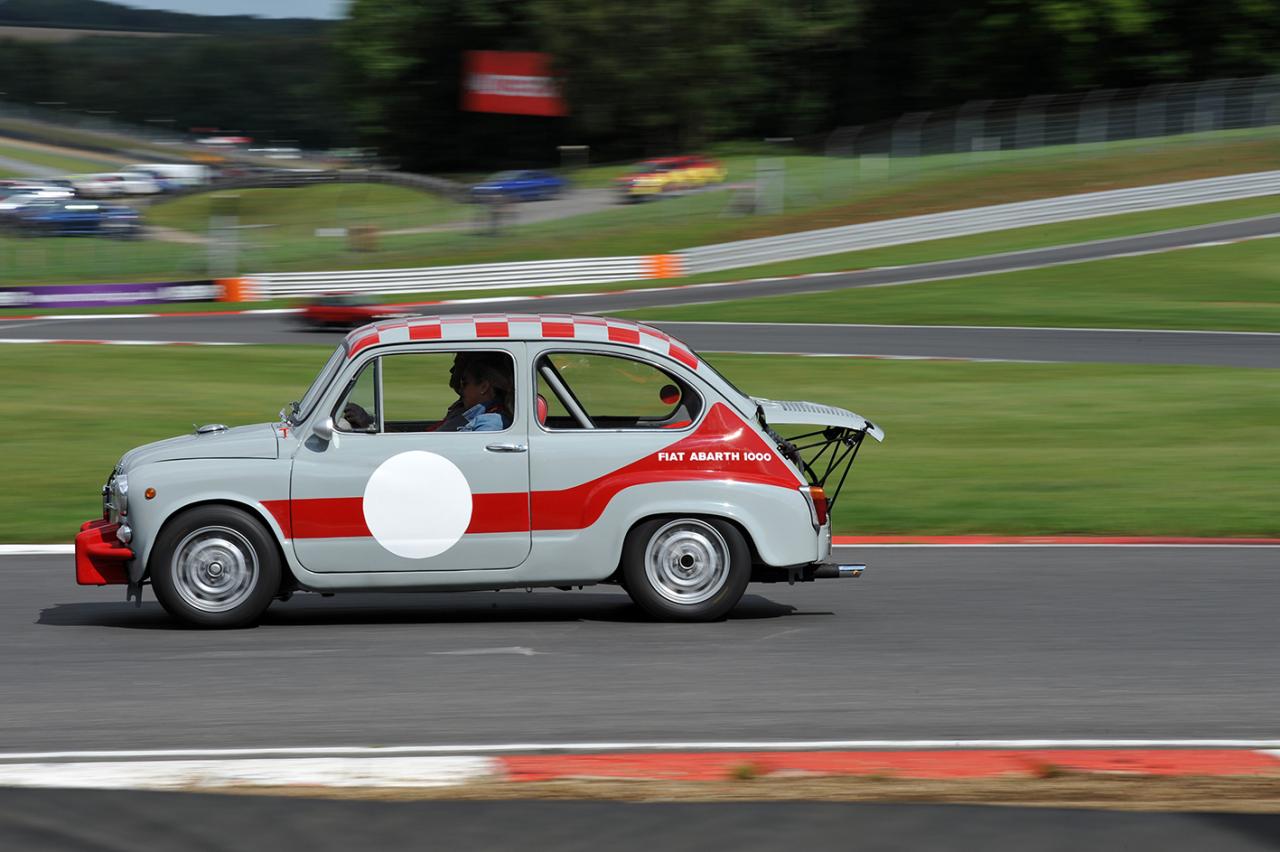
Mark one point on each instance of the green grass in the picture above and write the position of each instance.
(996, 448)
(1232, 287)
(68, 260)
(64, 163)
(280, 224)
(820, 192)
(296, 213)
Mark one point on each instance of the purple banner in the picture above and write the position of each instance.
(107, 295)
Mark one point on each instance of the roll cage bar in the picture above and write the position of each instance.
(836, 447)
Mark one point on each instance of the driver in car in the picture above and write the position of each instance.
(484, 387)
(484, 396)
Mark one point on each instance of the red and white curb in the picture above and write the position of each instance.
(435, 766)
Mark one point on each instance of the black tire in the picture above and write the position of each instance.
(686, 568)
(215, 567)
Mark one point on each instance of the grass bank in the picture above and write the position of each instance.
(51, 158)
(818, 192)
(126, 262)
(996, 448)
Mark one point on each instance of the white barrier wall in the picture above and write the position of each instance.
(713, 258)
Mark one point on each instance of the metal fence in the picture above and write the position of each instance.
(1089, 118)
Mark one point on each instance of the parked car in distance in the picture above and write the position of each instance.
(526, 185)
(115, 184)
(177, 174)
(24, 187)
(71, 217)
(24, 196)
(482, 452)
(344, 310)
(652, 178)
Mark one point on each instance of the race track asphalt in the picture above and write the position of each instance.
(1026, 344)
(933, 643)
(41, 821)
(1020, 344)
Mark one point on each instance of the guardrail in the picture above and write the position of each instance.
(713, 258)
(490, 276)
(975, 220)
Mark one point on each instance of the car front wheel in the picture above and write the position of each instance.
(215, 566)
(686, 569)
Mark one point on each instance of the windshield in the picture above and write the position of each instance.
(298, 410)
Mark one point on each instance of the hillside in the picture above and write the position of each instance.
(98, 15)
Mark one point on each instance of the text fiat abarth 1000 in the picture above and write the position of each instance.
(485, 452)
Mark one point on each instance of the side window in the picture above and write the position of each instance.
(611, 392)
(358, 410)
(440, 391)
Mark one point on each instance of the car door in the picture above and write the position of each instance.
(527, 186)
(399, 493)
(602, 416)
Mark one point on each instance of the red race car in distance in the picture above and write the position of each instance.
(345, 310)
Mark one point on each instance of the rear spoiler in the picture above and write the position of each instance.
(823, 453)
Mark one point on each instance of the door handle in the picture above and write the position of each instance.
(507, 448)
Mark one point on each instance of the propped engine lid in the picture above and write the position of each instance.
(777, 412)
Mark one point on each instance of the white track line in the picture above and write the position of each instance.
(37, 549)
(627, 746)
(435, 771)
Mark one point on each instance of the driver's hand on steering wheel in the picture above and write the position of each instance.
(357, 416)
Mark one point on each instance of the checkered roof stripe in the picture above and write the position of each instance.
(521, 327)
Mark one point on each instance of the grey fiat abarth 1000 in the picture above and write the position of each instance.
(485, 452)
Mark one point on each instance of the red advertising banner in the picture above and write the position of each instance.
(510, 82)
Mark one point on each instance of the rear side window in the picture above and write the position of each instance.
(580, 390)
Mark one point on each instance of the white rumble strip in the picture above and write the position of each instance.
(434, 771)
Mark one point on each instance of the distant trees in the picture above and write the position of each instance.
(267, 87)
(640, 78)
(671, 74)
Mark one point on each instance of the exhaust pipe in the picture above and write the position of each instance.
(828, 571)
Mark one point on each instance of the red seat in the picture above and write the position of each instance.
(542, 410)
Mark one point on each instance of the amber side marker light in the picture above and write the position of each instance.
(149, 493)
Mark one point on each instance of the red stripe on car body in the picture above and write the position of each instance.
(722, 432)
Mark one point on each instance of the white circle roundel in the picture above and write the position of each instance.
(417, 504)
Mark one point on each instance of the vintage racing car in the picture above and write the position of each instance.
(652, 178)
(609, 452)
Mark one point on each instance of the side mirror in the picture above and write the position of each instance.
(325, 431)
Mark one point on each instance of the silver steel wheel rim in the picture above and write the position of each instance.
(687, 562)
(214, 569)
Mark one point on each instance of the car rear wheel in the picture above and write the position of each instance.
(215, 566)
(686, 569)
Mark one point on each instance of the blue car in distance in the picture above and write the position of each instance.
(73, 217)
(526, 185)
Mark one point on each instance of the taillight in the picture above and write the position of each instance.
(817, 503)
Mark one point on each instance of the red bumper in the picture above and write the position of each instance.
(100, 556)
